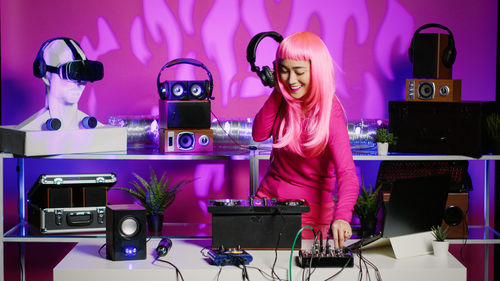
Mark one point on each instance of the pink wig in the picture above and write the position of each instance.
(316, 105)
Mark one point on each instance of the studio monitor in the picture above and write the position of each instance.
(435, 90)
(186, 140)
(125, 232)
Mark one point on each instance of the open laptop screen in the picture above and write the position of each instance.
(416, 205)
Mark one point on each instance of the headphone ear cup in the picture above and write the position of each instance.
(266, 75)
(449, 56)
(39, 68)
(162, 90)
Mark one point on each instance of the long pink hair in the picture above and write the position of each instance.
(316, 105)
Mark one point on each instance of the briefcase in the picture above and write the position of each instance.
(67, 220)
(71, 190)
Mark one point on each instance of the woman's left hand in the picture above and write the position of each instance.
(342, 231)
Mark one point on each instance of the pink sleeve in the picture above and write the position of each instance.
(264, 120)
(347, 181)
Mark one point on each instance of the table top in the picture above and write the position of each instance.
(86, 262)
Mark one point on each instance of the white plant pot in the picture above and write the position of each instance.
(440, 248)
(382, 148)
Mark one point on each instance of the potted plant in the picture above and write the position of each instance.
(440, 245)
(383, 138)
(367, 207)
(155, 196)
(493, 128)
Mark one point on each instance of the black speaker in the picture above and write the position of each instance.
(125, 232)
(440, 127)
(185, 114)
(432, 54)
(456, 215)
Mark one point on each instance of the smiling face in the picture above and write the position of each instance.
(295, 76)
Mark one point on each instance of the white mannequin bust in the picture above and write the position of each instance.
(62, 96)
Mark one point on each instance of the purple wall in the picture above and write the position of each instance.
(133, 39)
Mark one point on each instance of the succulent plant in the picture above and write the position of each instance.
(439, 232)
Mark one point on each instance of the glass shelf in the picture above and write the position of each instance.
(479, 234)
(147, 154)
(28, 233)
(25, 232)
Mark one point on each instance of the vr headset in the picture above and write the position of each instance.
(79, 70)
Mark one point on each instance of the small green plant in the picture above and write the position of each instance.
(493, 125)
(368, 203)
(383, 135)
(439, 232)
(156, 195)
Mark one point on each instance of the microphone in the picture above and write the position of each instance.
(163, 247)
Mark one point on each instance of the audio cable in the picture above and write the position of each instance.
(162, 250)
(232, 139)
(293, 247)
(273, 273)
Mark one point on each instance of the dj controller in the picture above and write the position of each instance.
(256, 223)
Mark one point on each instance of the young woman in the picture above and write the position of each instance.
(311, 151)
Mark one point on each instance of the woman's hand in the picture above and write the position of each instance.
(341, 232)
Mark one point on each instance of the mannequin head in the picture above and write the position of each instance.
(61, 92)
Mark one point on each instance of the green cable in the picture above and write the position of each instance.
(293, 246)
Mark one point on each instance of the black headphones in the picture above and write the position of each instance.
(198, 90)
(266, 74)
(40, 66)
(449, 53)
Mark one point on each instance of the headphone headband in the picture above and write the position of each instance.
(40, 66)
(191, 62)
(266, 74)
(450, 51)
(254, 42)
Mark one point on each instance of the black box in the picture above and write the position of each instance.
(67, 220)
(440, 127)
(185, 114)
(256, 225)
(428, 52)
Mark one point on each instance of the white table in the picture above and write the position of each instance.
(85, 263)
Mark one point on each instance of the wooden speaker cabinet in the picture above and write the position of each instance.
(455, 215)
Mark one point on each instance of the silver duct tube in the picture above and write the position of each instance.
(236, 134)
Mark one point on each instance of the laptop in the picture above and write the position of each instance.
(415, 206)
